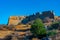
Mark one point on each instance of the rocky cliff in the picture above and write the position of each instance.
(14, 20)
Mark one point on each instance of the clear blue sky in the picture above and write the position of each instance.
(26, 7)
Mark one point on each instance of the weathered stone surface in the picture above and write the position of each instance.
(22, 27)
(55, 18)
(49, 14)
(4, 33)
(44, 14)
(14, 20)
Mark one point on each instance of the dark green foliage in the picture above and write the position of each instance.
(54, 25)
(37, 28)
(52, 29)
(52, 32)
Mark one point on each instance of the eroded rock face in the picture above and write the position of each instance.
(44, 14)
(3, 34)
(49, 14)
(14, 20)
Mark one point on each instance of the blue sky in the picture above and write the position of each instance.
(26, 7)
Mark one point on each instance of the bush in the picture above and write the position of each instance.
(37, 28)
(52, 32)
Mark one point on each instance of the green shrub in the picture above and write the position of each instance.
(37, 28)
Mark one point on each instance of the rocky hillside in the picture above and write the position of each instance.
(31, 18)
(14, 20)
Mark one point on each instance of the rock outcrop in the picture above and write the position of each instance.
(42, 16)
(14, 20)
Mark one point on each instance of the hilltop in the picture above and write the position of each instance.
(29, 19)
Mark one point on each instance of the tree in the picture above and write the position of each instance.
(37, 28)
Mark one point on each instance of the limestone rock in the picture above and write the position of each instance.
(14, 20)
